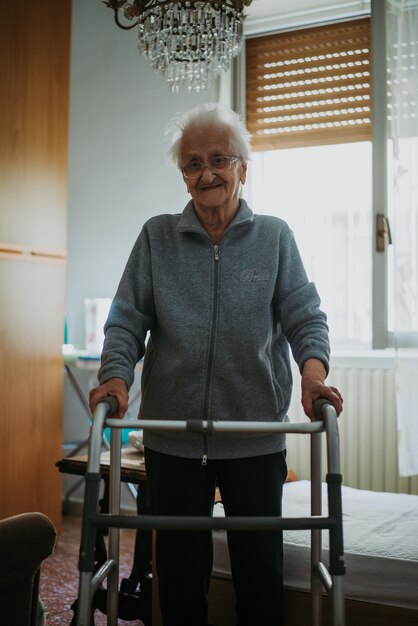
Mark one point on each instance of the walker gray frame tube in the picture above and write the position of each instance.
(330, 579)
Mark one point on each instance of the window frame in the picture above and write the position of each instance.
(382, 338)
(380, 333)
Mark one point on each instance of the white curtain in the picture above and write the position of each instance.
(402, 58)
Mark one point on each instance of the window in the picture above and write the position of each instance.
(396, 28)
(300, 186)
(310, 97)
(309, 87)
(309, 112)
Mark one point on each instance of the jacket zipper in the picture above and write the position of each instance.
(211, 355)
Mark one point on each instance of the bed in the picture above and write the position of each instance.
(381, 556)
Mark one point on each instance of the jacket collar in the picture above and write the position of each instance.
(189, 222)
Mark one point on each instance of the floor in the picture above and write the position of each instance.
(59, 575)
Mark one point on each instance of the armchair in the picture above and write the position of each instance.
(25, 541)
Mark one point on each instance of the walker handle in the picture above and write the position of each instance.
(319, 405)
(113, 405)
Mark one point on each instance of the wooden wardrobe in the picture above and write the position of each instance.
(34, 78)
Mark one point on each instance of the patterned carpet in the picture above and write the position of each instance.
(59, 576)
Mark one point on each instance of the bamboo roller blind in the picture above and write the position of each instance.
(309, 87)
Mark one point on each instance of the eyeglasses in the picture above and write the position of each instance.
(195, 168)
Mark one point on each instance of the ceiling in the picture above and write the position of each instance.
(273, 15)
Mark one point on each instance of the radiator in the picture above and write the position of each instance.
(368, 431)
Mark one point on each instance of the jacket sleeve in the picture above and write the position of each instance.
(302, 321)
(131, 316)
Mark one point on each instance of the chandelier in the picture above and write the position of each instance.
(186, 41)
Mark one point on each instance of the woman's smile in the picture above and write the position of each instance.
(210, 187)
(215, 194)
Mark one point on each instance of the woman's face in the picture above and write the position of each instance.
(212, 190)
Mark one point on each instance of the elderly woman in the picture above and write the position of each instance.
(221, 294)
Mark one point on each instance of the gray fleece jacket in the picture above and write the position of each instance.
(220, 321)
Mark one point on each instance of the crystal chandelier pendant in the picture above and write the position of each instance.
(186, 41)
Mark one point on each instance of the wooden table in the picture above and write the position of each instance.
(135, 596)
(132, 465)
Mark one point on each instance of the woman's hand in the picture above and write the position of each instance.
(313, 387)
(115, 387)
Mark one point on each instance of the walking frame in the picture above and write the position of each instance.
(325, 578)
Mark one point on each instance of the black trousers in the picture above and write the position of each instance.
(249, 486)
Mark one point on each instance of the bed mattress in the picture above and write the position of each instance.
(380, 544)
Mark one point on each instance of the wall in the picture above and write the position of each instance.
(118, 174)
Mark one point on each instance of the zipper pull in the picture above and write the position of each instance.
(204, 460)
(216, 252)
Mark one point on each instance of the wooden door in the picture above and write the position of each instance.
(34, 76)
(31, 375)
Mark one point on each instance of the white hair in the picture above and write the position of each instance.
(208, 116)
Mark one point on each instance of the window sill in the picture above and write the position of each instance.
(379, 359)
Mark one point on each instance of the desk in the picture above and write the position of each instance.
(84, 362)
(132, 465)
(81, 369)
(135, 595)
(87, 364)
(132, 471)
(79, 359)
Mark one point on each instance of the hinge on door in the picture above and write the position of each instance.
(383, 234)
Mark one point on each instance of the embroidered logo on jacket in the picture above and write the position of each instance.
(253, 275)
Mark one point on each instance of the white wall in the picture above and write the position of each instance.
(118, 173)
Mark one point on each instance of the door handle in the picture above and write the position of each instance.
(383, 234)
